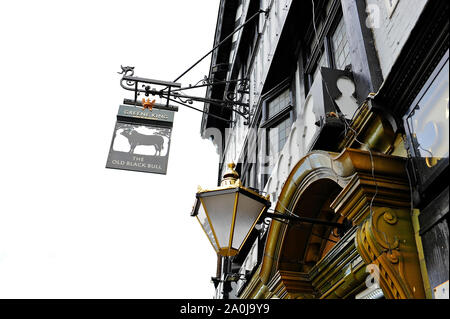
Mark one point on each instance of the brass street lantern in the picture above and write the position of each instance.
(229, 213)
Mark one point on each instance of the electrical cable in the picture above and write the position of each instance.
(411, 195)
(348, 126)
(342, 117)
(201, 59)
(219, 44)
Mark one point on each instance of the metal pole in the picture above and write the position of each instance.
(304, 220)
(225, 285)
(220, 43)
(219, 266)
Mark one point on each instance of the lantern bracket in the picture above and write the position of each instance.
(341, 227)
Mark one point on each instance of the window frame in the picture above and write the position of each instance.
(312, 57)
(287, 113)
(332, 52)
(420, 180)
(282, 114)
(252, 170)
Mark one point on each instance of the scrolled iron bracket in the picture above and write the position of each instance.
(173, 92)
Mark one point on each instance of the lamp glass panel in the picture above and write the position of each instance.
(220, 211)
(248, 211)
(201, 216)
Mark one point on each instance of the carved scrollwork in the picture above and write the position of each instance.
(390, 217)
(385, 239)
(380, 219)
(127, 71)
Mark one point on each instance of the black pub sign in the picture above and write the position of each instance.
(141, 140)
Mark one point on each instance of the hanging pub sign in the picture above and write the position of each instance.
(141, 139)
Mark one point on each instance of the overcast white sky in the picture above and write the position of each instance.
(69, 227)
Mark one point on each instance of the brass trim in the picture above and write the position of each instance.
(228, 187)
(386, 239)
(352, 171)
(218, 188)
(422, 262)
(251, 228)
(216, 250)
(210, 224)
(229, 252)
(233, 221)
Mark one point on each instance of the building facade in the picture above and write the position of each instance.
(339, 112)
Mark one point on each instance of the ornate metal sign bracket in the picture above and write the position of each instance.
(174, 92)
(131, 83)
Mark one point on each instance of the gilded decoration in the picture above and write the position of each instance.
(370, 191)
(386, 239)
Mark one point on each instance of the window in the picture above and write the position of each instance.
(252, 173)
(339, 42)
(279, 134)
(277, 118)
(323, 62)
(427, 124)
(279, 103)
(277, 114)
(329, 47)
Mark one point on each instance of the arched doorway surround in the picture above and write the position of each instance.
(369, 190)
